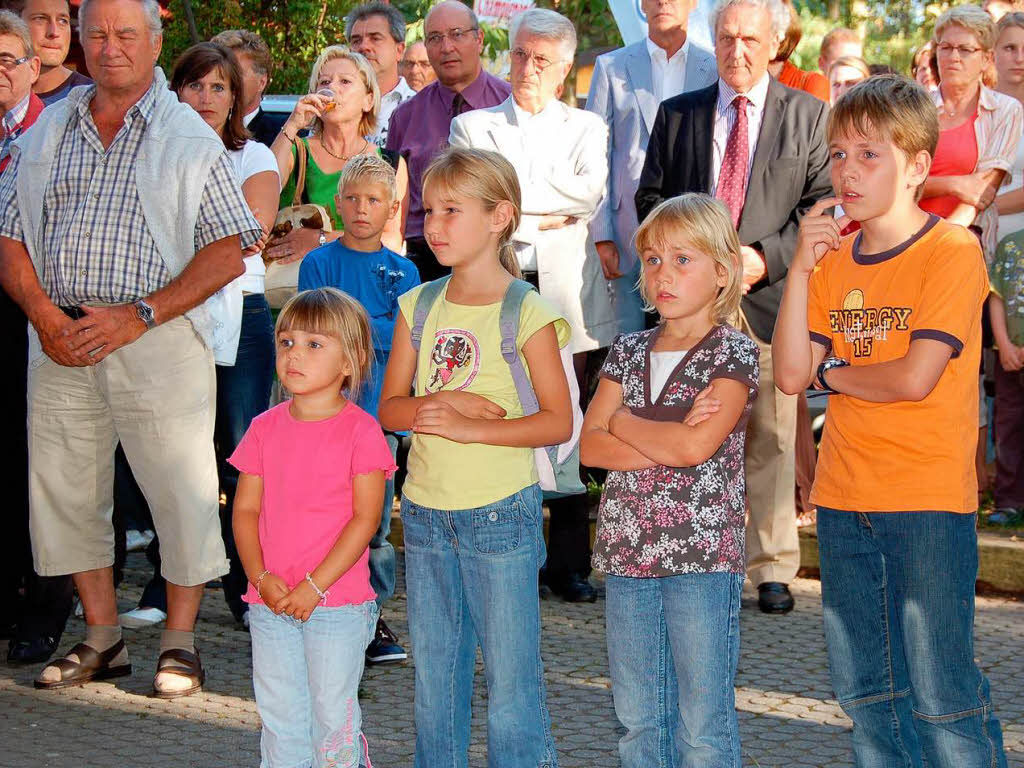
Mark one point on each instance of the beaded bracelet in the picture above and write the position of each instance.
(259, 581)
(322, 594)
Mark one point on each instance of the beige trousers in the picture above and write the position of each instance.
(773, 548)
(157, 396)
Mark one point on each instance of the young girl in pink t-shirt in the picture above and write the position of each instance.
(309, 500)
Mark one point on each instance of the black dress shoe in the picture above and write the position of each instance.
(34, 650)
(774, 597)
(576, 589)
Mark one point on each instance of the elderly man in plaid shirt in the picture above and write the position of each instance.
(120, 223)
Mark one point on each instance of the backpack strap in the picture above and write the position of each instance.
(508, 322)
(425, 300)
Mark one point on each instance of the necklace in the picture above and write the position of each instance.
(344, 158)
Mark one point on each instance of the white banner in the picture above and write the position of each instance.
(632, 22)
(498, 12)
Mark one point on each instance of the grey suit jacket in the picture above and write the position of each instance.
(621, 93)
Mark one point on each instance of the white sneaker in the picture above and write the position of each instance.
(136, 541)
(79, 609)
(142, 617)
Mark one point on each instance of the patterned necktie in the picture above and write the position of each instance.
(732, 178)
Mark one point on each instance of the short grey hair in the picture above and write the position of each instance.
(395, 19)
(550, 25)
(778, 13)
(151, 9)
(12, 24)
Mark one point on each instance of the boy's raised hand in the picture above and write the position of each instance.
(819, 234)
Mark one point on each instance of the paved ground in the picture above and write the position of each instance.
(787, 717)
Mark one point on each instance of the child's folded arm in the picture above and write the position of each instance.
(598, 446)
(908, 378)
(675, 444)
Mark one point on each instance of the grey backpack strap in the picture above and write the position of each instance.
(424, 301)
(508, 322)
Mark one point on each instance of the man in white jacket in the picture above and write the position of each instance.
(120, 216)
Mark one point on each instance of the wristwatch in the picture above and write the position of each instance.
(145, 313)
(827, 365)
(323, 237)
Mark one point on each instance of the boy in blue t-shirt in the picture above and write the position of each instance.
(358, 264)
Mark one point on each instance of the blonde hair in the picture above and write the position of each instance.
(480, 174)
(853, 62)
(890, 107)
(704, 223)
(1011, 19)
(368, 123)
(369, 169)
(330, 312)
(973, 19)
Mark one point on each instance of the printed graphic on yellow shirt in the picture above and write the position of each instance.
(861, 326)
(454, 360)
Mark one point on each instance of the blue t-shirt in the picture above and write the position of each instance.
(375, 280)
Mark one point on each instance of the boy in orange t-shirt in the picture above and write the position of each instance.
(889, 321)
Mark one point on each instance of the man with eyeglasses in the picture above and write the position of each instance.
(419, 127)
(560, 156)
(415, 66)
(49, 22)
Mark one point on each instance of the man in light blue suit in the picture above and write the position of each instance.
(625, 90)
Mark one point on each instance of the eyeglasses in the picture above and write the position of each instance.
(7, 63)
(963, 51)
(521, 57)
(455, 35)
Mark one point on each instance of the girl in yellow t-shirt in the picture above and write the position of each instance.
(471, 506)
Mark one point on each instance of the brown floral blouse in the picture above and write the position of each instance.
(664, 521)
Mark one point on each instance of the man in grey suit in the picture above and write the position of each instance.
(625, 90)
(760, 148)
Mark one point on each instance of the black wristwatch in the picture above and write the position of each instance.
(827, 365)
(146, 314)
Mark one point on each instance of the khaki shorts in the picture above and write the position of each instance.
(157, 397)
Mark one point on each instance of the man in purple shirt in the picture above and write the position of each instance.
(420, 126)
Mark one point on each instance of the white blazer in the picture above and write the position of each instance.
(565, 175)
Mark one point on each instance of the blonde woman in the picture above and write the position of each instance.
(846, 72)
(338, 126)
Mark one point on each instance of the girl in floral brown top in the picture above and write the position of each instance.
(669, 421)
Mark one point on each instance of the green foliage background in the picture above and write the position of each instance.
(296, 30)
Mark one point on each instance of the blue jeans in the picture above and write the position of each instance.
(471, 577)
(382, 555)
(898, 601)
(243, 393)
(306, 678)
(626, 301)
(673, 648)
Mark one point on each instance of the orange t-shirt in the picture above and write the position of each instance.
(902, 456)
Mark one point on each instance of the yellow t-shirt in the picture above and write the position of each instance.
(903, 456)
(461, 351)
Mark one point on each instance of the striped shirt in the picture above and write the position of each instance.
(97, 247)
(725, 118)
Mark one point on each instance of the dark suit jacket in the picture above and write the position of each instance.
(265, 127)
(789, 173)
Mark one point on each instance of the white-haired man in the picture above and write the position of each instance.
(145, 222)
(760, 148)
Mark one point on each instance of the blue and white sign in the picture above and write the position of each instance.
(632, 21)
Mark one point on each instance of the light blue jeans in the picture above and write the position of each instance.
(673, 648)
(383, 563)
(306, 677)
(897, 592)
(471, 577)
(626, 301)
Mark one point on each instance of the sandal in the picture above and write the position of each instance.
(176, 661)
(91, 665)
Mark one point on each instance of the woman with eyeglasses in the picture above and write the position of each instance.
(979, 128)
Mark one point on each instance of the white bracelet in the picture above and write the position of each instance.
(259, 581)
(322, 594)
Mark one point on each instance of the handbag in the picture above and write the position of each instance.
(282, 280)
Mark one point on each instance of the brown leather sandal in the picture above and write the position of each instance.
(176, 661)
(91, 665)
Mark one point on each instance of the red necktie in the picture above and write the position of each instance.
(732, 178)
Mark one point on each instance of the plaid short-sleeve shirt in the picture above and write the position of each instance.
(97, 248)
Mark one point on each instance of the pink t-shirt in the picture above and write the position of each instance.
(307, 469)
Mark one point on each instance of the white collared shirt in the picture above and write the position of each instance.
(532, 123)
(725, 117)
(534, 128)
(388, 104)
(668, 76)
(250, 117)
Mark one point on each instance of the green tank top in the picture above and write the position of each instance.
(322, 187)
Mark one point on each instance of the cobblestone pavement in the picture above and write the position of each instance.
(787, 717)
